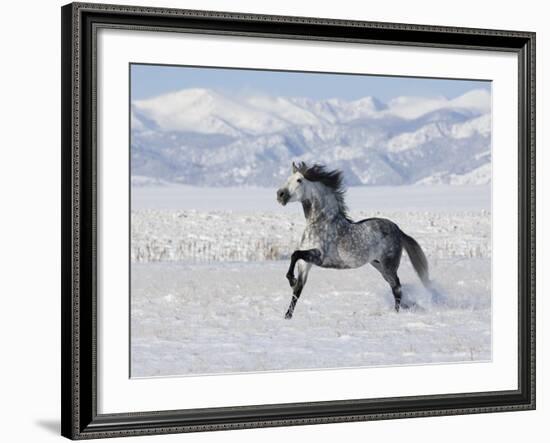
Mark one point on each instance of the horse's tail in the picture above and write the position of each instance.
(418, 259)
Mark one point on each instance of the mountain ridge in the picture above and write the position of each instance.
(203, 137)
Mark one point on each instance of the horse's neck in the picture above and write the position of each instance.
(321, 207)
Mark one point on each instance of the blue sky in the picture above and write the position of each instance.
(152, 80)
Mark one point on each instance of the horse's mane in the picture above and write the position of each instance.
(333, 180)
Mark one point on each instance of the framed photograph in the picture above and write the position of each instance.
(274, 221)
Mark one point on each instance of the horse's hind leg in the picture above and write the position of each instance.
(390, 275)
(395, 284)
(303, 271)
(388, 269)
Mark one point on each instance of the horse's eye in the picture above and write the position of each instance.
(299, 180)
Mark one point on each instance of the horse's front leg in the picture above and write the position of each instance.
(312, 256)
(303, 271)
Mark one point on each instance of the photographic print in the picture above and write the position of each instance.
(287, 220)
(276, 221)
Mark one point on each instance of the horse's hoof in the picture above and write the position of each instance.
(292, 280)
(413, 307)
(288, 315)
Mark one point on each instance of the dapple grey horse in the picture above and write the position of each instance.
(332, 240)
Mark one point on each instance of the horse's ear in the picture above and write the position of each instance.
(294, 168)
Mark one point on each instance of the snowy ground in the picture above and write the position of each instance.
(209, 292)
(439, 198)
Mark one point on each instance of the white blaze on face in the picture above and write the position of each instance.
(296, 187)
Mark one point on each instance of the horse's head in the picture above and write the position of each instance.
(295, 189)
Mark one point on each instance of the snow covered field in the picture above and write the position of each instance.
(209, 290)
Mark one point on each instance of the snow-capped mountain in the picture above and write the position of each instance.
(203, 137)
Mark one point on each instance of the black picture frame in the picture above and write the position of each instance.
(79, 212)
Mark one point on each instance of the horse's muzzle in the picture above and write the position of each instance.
(283, 196)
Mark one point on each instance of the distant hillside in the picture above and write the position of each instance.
(201, 137)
